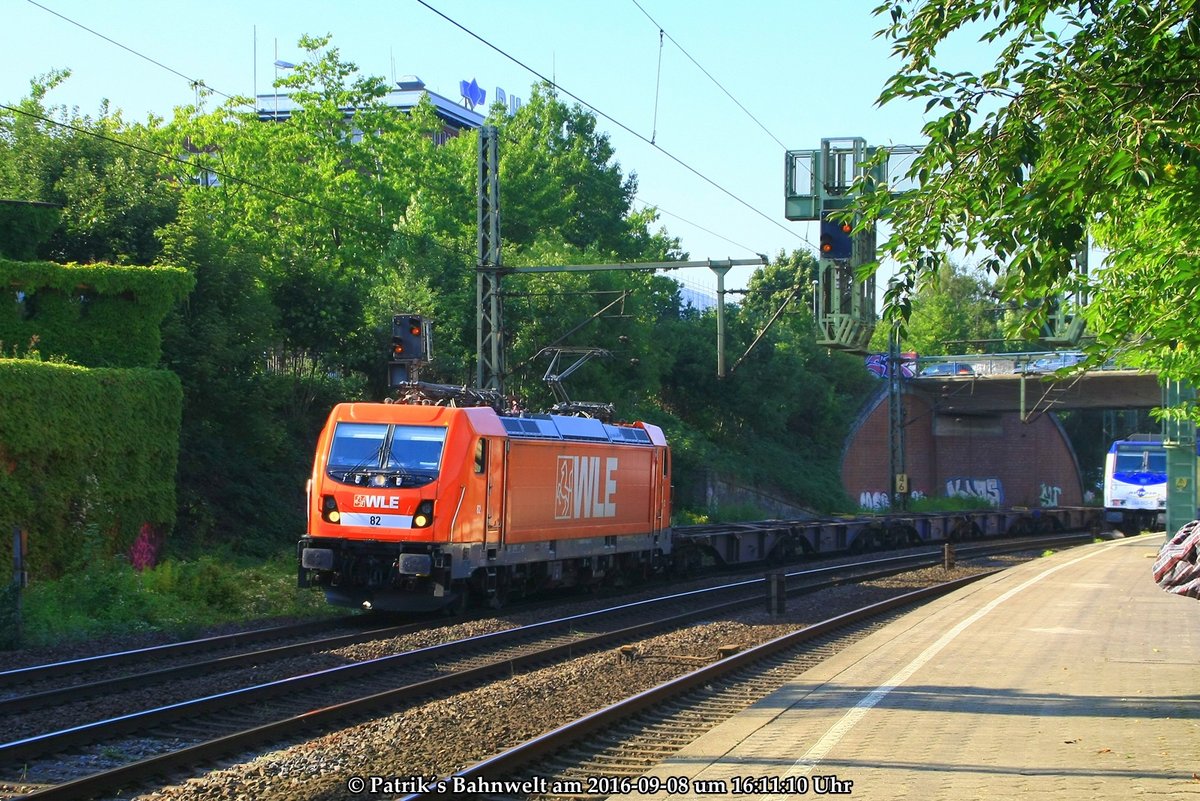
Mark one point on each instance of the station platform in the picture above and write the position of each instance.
(1073, 676)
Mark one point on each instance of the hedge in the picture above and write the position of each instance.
(96, 315)
(85, 450)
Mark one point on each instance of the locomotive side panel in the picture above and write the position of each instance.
(576, 490)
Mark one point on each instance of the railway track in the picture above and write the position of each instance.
(103, 662)
(201, 729)
(607, 752)
(102, 675)
(41, 687)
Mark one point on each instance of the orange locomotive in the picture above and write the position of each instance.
(414, 507)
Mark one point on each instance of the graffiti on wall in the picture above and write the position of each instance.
(990, 490)
(877, 364)
(1050, 496)
(880, 500)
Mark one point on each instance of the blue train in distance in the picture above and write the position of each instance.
(1135, 484)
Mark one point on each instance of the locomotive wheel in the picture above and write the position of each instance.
(461, 602)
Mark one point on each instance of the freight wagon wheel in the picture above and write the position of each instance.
(783, 552)
(686, 560)
(902, 534)
(1049, 524)
(1023, 527)
(872, 538)
(965, 529)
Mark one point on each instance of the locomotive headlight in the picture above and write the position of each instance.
(329, 509)
(423, 517)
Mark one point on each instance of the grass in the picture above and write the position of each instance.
(955, 503)
(726, 513)
(107, 597)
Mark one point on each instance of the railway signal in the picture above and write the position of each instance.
(410, 348)
(410, 339)
(836, 242)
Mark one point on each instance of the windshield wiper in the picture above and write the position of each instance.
(373, 459)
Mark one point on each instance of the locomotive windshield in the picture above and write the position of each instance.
(416, 448)
(1140, 460)
(382, 455)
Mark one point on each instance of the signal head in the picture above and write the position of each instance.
(836, 242)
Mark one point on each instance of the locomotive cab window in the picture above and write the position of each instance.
(416, 448)
(382, 455)
(480, 456)
(357, 446)
(1141, 460)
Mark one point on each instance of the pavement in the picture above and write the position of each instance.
(1072, 676)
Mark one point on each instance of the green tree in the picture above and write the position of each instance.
(318, 228)
(560, 181)
(1087, 124)
(566, 201)
(103, 171)
(954, 311)
(779, 419)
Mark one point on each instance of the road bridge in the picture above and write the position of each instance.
(1036, 394)
(1013, 383)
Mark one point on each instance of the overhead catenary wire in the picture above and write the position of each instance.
(657, 87)
(615, 121)
(660, 209)
(738, 103)
(195, 82)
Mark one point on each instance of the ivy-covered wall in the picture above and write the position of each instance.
(85, 449)
(95, 315)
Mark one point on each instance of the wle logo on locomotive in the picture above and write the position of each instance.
(582, 491)
(377, 501)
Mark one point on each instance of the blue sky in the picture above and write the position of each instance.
(803, 70)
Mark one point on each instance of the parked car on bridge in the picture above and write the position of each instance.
(948, 369)
(1057, 361)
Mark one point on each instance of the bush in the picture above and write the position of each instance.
(106, 596)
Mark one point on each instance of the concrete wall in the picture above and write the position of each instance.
(715, 491)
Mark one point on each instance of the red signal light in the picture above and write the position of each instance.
(836, 241)
(410, 339)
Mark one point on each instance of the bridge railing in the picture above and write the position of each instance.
(985, 364)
